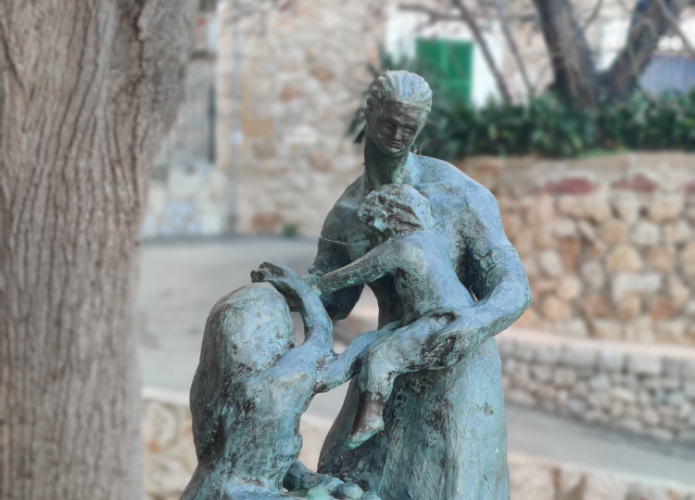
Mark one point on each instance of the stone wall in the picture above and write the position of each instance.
(607, 243)
(638, 388)
(170, 461)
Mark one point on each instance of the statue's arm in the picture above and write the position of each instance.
(370, 267)
(332, 255)
(318, 328)
(492, 268)
(339, 368)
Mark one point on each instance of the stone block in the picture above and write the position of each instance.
(569, 287)
(661, 259)
(635, 283)
(642, 364)
(645, 234)
(548, 354)
(623, 395)
(579, 357)
(688, 369)
(524, 351)
(573, 327)
(613, 361)
(640, 330)
(677, 292)
(596, 305)
(671, 331)
(520, 397)
(564, 227)
(531, 482)
(570, 253)
(576, 407)
(600, 383)
(624, 258)
(555, 309)
(564, 377)
(607, 329)
(541, 372)
(627, 206)
(689, 390)
(604, 487)
(596, 208)
(593, 274)
(666, 207)
(687, 259)
(551, 263)
(662, 309)
(541, 209)
(614, 232)
(629, 307)
(677, 232)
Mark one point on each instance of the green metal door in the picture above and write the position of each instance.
(448, 66)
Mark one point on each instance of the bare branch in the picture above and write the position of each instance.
(513, 47)
(592, 17)
(648, 24)
(433, 13)
(675, 26)
(480, 40)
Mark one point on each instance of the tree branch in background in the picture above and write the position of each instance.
(573, 68)
(501, 6)
(648, 25)
(675, 26)
(593, 16)
(482, 43)
(433, 13)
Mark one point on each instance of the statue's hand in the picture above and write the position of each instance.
(286, 281)
(324, 487)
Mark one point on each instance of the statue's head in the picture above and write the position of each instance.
(249, 328)
(397, 108)
(396, 209)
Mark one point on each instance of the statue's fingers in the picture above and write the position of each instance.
(276, 270)
(258, 276)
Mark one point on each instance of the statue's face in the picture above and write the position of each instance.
(395, 127)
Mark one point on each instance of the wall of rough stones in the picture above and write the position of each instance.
(170, 462)
(608, 243)
(637, 388)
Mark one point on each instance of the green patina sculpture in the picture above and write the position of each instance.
(424, 419)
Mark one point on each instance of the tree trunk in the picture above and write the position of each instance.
(649, 22)
(573, 68)
(87, 90)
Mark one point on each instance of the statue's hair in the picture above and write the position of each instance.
(402, 87)
(401, 207)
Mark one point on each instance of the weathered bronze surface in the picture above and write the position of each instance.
(424, 419)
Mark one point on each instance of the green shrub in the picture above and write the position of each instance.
(547, 127)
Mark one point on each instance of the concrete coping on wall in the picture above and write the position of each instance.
(627, 348)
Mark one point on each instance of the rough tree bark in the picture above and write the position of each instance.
(87, 89)
(576, 78)
(570, 57)
(650, 21)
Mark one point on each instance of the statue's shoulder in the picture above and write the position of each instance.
(441, 176)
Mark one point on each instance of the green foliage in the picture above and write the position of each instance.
(544, 126)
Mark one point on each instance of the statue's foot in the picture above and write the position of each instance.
(369, 420)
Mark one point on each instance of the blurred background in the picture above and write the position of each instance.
(578, 115)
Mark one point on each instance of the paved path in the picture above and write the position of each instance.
(180, 281)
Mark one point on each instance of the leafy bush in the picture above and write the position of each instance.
(544, 126)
